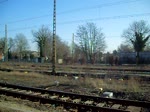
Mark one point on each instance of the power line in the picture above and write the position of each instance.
(28, 19)
(98, 6)
(106, 18)
(3, 1)
(92, 19)
(73, 10)
(22, 28)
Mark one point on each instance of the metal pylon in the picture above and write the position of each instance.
(54, 41)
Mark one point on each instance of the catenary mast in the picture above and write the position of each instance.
(54, 40)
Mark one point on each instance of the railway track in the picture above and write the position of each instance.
(81, 103)
(100, 68)
(101, 73)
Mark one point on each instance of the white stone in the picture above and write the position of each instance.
(56, 82)
(76, 77)
(108, 94)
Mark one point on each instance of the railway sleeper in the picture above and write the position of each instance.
(54, 97)
(45, 95)
(4, 88)
(136, 109)
(65, 99)
(108, 104)
(22, 91)
(100, 104)
(38, 94)
(48, 105)
(7, 88)
(81, 107)
(145, 110)
(73, 110)
(123, 107)
(88, 102)
(29, 92)
(76, 100)
(116, 106)
(83, 99)
(16, 90)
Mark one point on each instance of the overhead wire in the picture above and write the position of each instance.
(98, 6)
(73, 10)
(28, 19)
(3, 1)
(91, 19)
(106, 18)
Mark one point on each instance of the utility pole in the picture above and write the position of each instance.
(54, 41)
(6, 47)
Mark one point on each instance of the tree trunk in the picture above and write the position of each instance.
(41, 51)
(137, 58)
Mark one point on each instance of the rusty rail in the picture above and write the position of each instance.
(72, 96)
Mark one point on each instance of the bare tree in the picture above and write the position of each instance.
(138, 27)
(11, 46)
(21, 44)
(138, 35)
(91, 40)
(125, 48)
(147, 48)
(11, 43)
(43, 38)
(62, 48)
(139, 44)
(2, 44)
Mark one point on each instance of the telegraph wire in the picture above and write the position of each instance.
(22, 28)
(106, 18)
(73, 10)
(98, 6)
(83, 20)
(3, 1)
(28, 19)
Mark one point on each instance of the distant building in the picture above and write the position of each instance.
(1, 55)
(130, 57)
(35, 54)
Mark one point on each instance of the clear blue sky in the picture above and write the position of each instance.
(23, 16)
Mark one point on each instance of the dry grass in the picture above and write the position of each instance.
(26, 65)
(131, 85)
(30, 79)
(37, 79)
